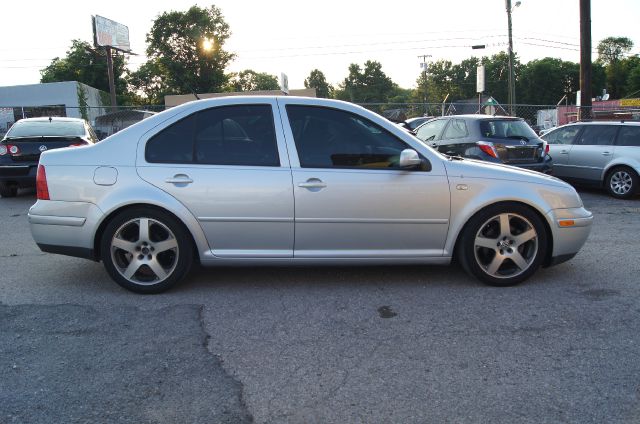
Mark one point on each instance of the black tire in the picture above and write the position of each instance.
(7, 190)
(621, 182)
(477, 260)
(147, 278)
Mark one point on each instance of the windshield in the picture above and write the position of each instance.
(46, 129)
(507, 128)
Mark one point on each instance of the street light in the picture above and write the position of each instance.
(512, 80)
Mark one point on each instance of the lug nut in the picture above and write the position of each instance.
(140, 257)
(149, 257)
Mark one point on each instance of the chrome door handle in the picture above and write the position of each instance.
(179, 179)
(564, 152)
(312, 183)
(606, 153)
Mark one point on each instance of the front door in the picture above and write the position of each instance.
(228, 166)
(351, 198)
(560, 144)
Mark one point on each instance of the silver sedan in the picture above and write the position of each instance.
(282, 180)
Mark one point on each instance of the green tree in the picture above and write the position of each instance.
(613, 49)
(368, 85)
(249, 80)
(84, 64)
(633, 80)
(317, 80)
(545, 81)
(149, 82)
(177, 47)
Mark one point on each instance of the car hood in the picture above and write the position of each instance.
(470, 168)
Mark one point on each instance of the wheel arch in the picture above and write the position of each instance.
(635, 167)
(506, 203)
(121, 208)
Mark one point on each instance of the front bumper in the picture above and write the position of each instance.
(66, 228)
(570, 229)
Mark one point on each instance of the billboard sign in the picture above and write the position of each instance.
(110, 33)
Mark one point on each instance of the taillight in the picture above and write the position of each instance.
(42, 190)
(546, 148)
(13, 149)
(81, 143)
(3, 150)
(487, 148)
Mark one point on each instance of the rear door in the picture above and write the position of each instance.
(591, 151)
(228, 165)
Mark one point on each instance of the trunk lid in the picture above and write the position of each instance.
(32, 147)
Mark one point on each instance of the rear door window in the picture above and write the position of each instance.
(242, 135)
(629, 136)
(597, 135)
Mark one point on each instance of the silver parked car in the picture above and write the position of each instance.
(281, 180)
(604, 154)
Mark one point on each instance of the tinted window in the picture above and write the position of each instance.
(629, 136)
(46, 128)
(228, 135)
(456, 129)
(431, 130)
(597, 135)
(506, 128)
(562, 135)
(330, 138)
(237, 135)
(174, 144)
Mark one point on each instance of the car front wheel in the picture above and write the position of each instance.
(622, 182)
(503, 245)
(146, 250)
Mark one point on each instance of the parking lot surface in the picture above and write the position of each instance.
(323, 345)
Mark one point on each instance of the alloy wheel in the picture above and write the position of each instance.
(621, 182)
(144, 251)
(506, 245)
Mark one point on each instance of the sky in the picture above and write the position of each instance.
(295, 37)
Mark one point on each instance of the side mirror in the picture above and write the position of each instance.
(409, 158)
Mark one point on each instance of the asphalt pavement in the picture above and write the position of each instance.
(323, 344)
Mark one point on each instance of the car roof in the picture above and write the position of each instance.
(52, 118)
(480, 117)
(603, 123)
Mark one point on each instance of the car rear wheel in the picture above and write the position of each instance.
(622, 182)
(503, 245)
(8, 190)
(146, 250)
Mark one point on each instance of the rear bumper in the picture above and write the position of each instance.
(22, 174)
(66, 228)
(546, 166)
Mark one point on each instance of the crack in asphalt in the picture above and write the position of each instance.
(220, 360)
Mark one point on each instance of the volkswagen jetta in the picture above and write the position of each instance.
(280, 180)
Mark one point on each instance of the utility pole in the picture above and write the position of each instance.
(512, 79)
(423, 65)
(112, 85)
(585, 60)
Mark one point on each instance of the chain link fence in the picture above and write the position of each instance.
(107, 120)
